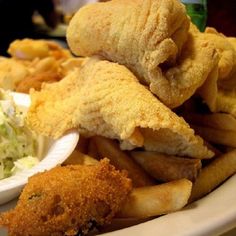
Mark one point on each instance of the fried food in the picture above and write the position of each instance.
(217, 91)
(173, 86)
(166, 168)
(29, 49)
(122, 161)
(147, 37)
(129, 32)
(34, 62)
(226, 102)
(226, 51)
(79, 158)
(36, 81)
(11, 73)
(68, 200)
(222, 121)
(216, 136)
(88, 99)
(156, 200)
(214, 174)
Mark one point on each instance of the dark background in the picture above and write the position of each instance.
(222, 16)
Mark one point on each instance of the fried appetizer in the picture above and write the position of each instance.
(147, 37)
(11, 73)
(36, 81)
(29, 49)
(106, 99)
(68, 200)
(33, 63)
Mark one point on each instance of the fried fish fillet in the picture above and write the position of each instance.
(139, 33)
(218, 91)
(226, 51)
(68, 200)
(105, 98)
(226, 102)
(194, 65)
(144, 35)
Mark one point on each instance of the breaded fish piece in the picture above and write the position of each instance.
(195, 63)
(218, 89)
(139, 33)
(105, 98)
(226, 102)
(143, 35)
(226, 51)
(68, 200)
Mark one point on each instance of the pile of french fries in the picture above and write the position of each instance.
(164, 183)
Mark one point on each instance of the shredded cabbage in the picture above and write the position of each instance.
(18, 145)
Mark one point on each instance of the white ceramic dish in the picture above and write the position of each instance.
(56, 152)
(213, 215)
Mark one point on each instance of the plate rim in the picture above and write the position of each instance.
(49, 161)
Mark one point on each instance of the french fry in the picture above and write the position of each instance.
(82, 145)
(78, 158)
(217, 136)
(157, 200)
(92, 149)
(215, 120)
(214, 174)
(167, 168)
(110, 149)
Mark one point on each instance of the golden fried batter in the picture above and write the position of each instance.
(34, 62)
(11, 73)
(105, 98)
(218, 89)
(226, 51)
(36, 81)
(178, 83)
(68, 200)
(29, 49)
(140, 34)
(151, 38)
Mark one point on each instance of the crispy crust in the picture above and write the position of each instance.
(140, 34)
(104, 98)
(66, 200)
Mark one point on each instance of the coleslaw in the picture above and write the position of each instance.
(18, 145)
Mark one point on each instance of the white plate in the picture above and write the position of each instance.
(210, 216)
(57, 151)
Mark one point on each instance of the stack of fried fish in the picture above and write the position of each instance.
(149, 79)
